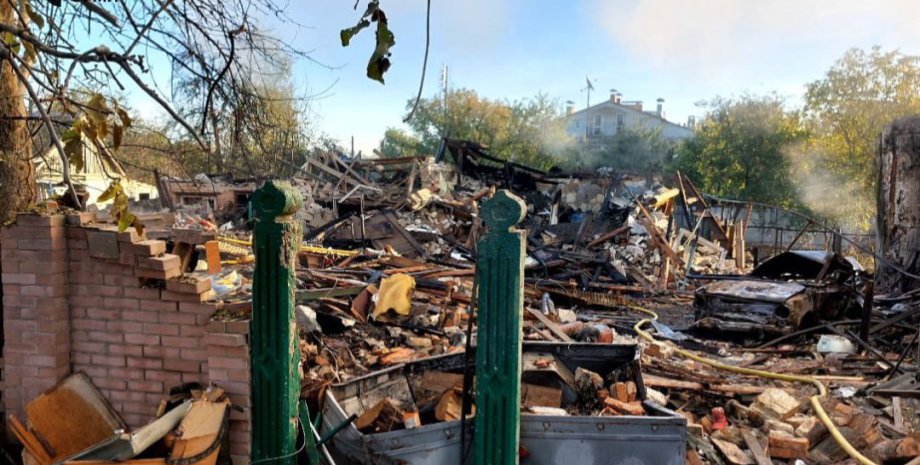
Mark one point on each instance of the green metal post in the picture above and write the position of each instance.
(275, 349)
(500, 273)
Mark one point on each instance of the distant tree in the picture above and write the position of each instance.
(740, 150)
(529, 131)
(847, 110)
(396, 143)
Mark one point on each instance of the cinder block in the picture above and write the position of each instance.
(80, 219)
(108, 360)
(145, 363)
(148, 248)
(189, 285)
(141, 316)
(183, 320)
(157, 274)
(130, 235)
(162, 263)
(161, 351)
(16, 278)
(103, 244)
(146, 386)
(105, 336)
(183, 366)
(226, 340)
(182, 342)
(147, 293)
(162, 330)
(32, 220)
(145, 339)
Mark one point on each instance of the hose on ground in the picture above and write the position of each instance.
(815, 399)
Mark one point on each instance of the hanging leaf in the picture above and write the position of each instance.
(36, 18)
(125, 220)
(73, 146)
(97, 111)
(117, 133)
(347, 34)
(119, 209)
(380, 59)
(28, 51)
(109, 193)
(12, 42)
(379, 62)
(123, 115)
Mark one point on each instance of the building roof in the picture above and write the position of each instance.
(629, 108)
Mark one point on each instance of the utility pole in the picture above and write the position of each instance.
(445, 93)
(588, 89)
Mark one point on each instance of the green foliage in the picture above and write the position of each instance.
(396, 143)
(847, 110)
(379, 62)
(119, 209)
(529, 131)
(740, 148)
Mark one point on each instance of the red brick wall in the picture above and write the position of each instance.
(77, 298)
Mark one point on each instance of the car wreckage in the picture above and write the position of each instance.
(794, 289)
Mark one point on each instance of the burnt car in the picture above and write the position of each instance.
(794, 289)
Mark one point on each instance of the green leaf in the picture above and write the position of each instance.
(12, 42)
(109, 193)
(347, 34)
(73, 149)
(126, 219)
(380, 59)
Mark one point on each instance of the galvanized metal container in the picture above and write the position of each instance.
(656, 439)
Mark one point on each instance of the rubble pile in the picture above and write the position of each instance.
(386, 313)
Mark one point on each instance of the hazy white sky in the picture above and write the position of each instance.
(682, 51)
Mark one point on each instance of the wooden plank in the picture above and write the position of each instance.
(607, 236)
(897, 413)
(733, 454)
(212, 255)
(550, 325)
(754, 446)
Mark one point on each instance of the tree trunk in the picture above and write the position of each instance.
(17, 173)
(898, 221)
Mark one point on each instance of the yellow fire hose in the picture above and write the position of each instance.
(815, 400)
(303, 248)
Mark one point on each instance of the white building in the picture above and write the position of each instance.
(613, 115)
(94, 177)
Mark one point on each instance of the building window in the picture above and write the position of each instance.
(598, 121)
(621, 121)
(143, 196)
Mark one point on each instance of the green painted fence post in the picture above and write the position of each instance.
(275, 348)
(500, 273)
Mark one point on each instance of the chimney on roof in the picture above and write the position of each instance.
(660, 109)
(613, 96)
(691, 122)
(569, 107)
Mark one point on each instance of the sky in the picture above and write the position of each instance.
(682, 51)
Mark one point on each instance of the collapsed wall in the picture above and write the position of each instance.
(898, 216)
(84, 297)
